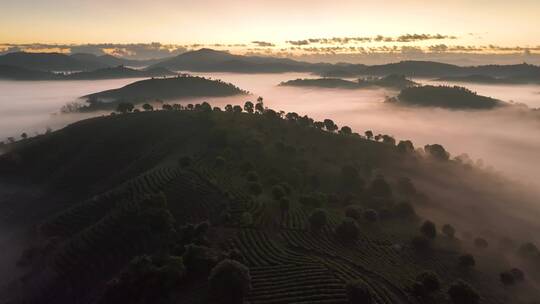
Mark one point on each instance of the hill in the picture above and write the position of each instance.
(390, 81)
(49, 62)
(139, 207)
(17, 73)
(520, 79)
(446, 97)
(164, 89)
(208, 60)
(118, 72)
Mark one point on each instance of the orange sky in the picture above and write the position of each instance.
(505, 23)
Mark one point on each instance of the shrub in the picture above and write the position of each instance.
(312, 200)
(379, 188)
(371, 215)
(466, 260)
(420, 243)
(347, 230)
(255, 188)
(517, 274)
(229, 282)
(430, 280)
(352, 212)
(404, 209)
(507, 278)
(481, 243)
(277, 192)
(358, 292)
(462, 293)
(528, 250)
(145, 280)
(317, 219)
(428, 229)
(198, 260)
(449, 231)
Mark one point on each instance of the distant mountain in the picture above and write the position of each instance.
(119, 72)
(166, 88)
(445, 97)
(432, 69)
(18, 73)
(518, 79)
(208, 60)
(112, 61)
(49, 62)
(391, 81)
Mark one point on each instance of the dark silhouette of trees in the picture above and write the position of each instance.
(404, 209)
(371, 215)
(452, 97)
(229, 108)
(249, 107)
(317, 219)
(481, 243)
(389, 140)
(147, 107)
(379, 188)
(237, 109)
(449, 231)
(255, 188)
(462, 293)
(420, 243)
(369, 134)
(329, 125)
(319, 125)
(466, 261)
(24, 135)
(278, 192)
(167, 107)
(198, 260)
(353, 212)
(437, 152)
(518, 274)
(345, 130)
(259, 106)
(229, 282)
(358, 292)
(124, 107)
(405, 146)
(430, 280)
(428, 229)
(507, 278)
(347, 230)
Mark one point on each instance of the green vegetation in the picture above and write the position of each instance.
(199, 205)
(446, 97)
(390, 81)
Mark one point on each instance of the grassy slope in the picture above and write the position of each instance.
(97, 155)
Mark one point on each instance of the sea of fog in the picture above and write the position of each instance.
(505, 139)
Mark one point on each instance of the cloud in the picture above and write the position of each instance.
(298, 42)
(378, 38)
(263, 43)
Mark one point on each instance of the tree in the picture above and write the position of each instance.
(507, 278)
(249, 107)
(255, 188)
(405, 146)
(229, 282)
(237, 109)
(358, 292)
(124, 107)
(428, 229)
(371, 215)
(347, 230)
(205, 107)
(284, 204)
(345, 130)
(317, 219)
(420, 243)
(167, 107)
(481, 243)
(430, 280)
(350, 177)
(185, 161)
(437, 152)
(259, 106)
(369, 134)
(449, 231)
(404, 209)
(466, 261)
(462, 293)
(24, 135)
(352, 212)
(379, 188)
(319, 125)
(329, 125)
(278, 192)
(147, 107)
(198, 260)
(389, 140)
(229, 108)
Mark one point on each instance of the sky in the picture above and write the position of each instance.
(499, 23)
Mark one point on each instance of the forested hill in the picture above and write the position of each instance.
(186, 206)
(169, 88)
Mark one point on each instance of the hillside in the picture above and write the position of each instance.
(520, 79)
(446, 97)
(49, 62)
(305, 208)
(17, 73)
(390, 82)
(118, 72)
(164, 89)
